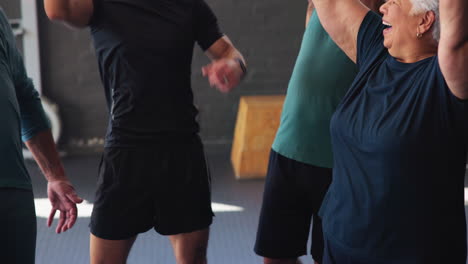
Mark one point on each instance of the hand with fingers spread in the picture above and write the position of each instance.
(63, 198)
(224, 74)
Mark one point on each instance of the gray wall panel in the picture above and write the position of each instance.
(11, 7)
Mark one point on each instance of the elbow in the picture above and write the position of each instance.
(65, 18)
(56, 14)
(54, 10)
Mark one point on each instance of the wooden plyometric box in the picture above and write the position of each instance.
(258, 120)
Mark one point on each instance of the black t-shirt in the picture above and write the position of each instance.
(144, 50)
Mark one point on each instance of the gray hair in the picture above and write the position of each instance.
(421, 6)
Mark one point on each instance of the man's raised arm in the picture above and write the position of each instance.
(76, 13)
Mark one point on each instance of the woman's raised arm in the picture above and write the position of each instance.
(342, 20)
(453, 45)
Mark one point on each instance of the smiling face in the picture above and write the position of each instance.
(401, 25)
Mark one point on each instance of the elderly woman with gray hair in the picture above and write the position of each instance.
(400, 134)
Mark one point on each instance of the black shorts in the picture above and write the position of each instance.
(293, 194)
(165, 187)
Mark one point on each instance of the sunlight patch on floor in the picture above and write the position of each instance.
(224, 208)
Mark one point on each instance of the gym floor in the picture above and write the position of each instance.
(236, 205)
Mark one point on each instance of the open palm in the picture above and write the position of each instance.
(63, 198)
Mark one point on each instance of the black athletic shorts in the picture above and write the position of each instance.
(293, 194)
(165, 187)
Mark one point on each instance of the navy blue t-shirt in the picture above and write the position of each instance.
(399, 141)
(144, 50)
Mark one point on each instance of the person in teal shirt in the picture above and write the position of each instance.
(22, 119)
(301, 160)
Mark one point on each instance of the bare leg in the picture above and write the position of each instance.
(103, 251)
(190, 248)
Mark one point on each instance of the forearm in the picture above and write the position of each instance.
(224, 49)
(43, 149)
(453, 23)
(233, 53)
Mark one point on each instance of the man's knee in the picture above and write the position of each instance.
(190, 248)
(197, 256)
(104, 251)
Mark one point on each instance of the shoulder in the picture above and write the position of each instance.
(3, 17)
(6, 35)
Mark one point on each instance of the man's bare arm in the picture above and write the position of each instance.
(60, 191)
(42, 147)
(76, 13)
(223, 49)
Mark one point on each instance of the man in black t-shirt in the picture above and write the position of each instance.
(153, 173)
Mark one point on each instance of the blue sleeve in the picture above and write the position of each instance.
(370, 39)
(207, 30)
(33, 117)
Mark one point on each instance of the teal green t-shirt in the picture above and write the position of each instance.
(321, 77)
(21, 113)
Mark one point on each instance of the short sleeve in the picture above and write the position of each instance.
(370, 38)
(33, 117)
(207, 30)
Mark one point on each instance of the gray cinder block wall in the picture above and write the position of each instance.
(267, 32)
(11, 7)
